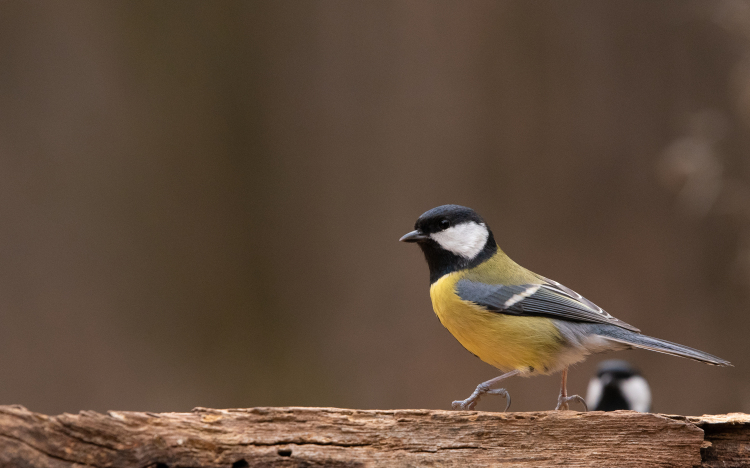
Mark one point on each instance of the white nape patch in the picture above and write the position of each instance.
(594, 392)
(521, 296)
(637, 393)
(465, 239)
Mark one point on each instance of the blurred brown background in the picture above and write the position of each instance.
(200, 202)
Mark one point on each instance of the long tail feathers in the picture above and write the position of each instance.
(662, 346)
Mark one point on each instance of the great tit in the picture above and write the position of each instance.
(515, 320)
(618, 386)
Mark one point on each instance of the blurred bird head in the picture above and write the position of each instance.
(618, 386)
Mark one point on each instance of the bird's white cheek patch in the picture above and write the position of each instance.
(594, 393)
(637, 393)
(465, 239)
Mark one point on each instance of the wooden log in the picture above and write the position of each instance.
(296, 437)
(727, 440)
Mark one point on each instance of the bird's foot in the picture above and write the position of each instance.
(465, 405)
(562, 402)
(482, 389)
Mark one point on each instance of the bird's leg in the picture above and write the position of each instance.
(563, 399)
(486, 388)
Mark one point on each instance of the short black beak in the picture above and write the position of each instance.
(414, 236)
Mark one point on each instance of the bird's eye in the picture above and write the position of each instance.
(445, 224)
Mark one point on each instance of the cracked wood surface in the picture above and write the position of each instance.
(290, 437)
(727, 440)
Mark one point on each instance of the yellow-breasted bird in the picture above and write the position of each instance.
(513, 319)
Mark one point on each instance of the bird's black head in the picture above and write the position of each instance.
(619, 386)
(452, 238)
(616, 369)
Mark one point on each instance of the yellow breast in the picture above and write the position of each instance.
(505, 341)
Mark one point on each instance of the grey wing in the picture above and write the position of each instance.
(548, 299)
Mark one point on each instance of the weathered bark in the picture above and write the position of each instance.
(338, 437)
(727, 439)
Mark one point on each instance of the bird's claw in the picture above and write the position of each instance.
(562, 402)
(464, 405)
(504, 393)
(470, 403)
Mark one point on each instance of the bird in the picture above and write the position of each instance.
(511, 318)
(618, 386)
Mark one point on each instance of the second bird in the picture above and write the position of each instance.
(511, 318)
